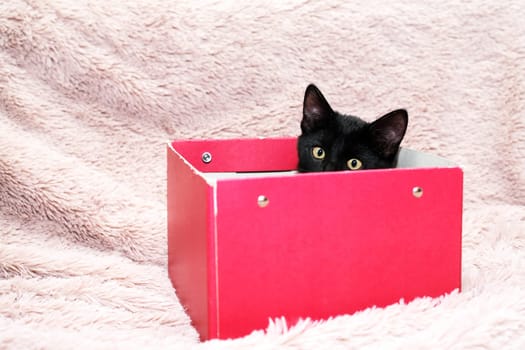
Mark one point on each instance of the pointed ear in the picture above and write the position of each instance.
(388, 131)
(316, 111)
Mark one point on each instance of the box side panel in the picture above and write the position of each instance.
(458, 226)
(330, 244)
(189, 209)
(240, 155)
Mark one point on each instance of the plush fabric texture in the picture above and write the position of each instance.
(90, 91)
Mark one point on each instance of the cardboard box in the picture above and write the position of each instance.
(249, 239)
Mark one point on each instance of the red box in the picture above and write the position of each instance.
(249, 239)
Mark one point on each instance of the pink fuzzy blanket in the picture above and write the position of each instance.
(90, 92)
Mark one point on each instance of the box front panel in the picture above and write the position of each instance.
(332, 243)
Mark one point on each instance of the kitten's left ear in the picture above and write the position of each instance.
(388, 131)
(317, 113)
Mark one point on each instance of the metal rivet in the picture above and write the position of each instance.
(206, 157)
(417, 192)
(263, 201)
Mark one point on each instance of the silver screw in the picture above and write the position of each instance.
(263, 201)
(206, 157)
(417, 192)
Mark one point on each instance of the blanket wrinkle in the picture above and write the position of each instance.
(91, 91)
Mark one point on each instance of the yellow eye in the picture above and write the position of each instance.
(318, 153)
(354, 164)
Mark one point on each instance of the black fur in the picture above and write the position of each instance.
(344, 137)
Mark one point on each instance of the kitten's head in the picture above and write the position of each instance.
(333, 141)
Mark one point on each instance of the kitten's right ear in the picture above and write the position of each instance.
(316, 110)
(388, 131)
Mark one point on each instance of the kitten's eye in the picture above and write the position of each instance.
(354, 164)
(318, 153)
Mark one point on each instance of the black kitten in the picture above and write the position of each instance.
(333, 141)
